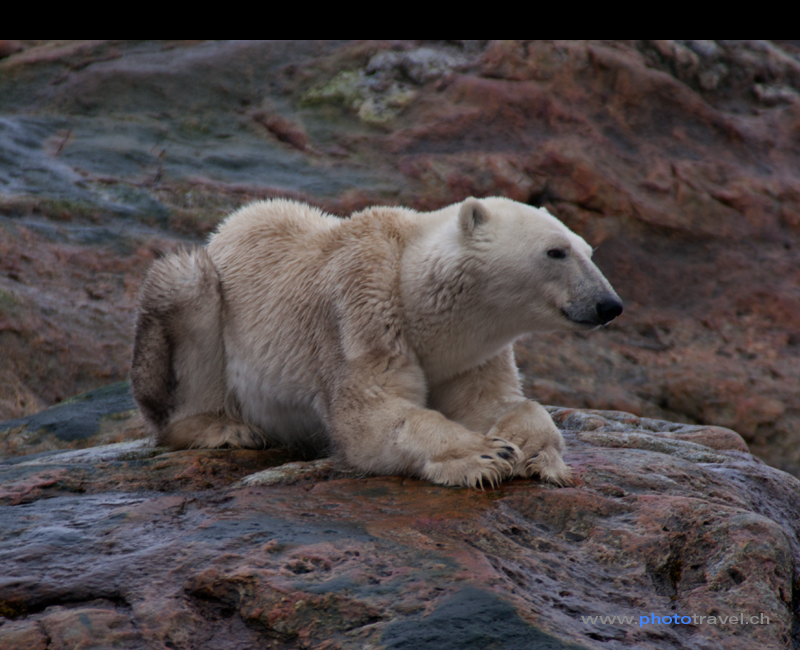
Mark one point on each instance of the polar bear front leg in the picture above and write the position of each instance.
(449, 454)
(488, 399)
(379, 423)
(530, 426)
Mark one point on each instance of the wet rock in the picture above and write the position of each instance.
(131, 546)
(77, 418)
(470, 618)
(102, 416)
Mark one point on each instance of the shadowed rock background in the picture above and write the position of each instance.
(679, 161)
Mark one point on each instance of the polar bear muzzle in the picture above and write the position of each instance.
(601, 313)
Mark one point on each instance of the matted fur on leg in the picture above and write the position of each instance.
(178, 367)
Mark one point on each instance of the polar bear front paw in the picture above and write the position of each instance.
(548, 466)
(490, 465)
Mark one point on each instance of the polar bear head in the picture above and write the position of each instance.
(532, 270)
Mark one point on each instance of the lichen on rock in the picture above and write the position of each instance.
(379, 92)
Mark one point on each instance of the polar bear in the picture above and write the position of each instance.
(385, 338)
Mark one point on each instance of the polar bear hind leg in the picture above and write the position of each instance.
(178, 367)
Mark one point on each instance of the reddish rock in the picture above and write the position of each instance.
(7, 48)
(134, 547)
(283, 129)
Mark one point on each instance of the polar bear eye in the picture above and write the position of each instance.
(557, 253)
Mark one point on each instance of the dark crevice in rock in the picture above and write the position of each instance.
(15, 607)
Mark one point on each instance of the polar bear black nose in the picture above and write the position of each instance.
(608, 309)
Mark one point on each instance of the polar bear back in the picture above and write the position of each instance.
(303, 292)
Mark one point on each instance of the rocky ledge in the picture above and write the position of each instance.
(130, 546)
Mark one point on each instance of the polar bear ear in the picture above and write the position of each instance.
(472, 214)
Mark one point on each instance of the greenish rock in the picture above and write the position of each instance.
(78, 418)
(470, 619)
(375, 101)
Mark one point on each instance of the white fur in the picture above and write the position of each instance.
(387, 335)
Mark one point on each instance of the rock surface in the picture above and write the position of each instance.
(130, 546)
(677, 160)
